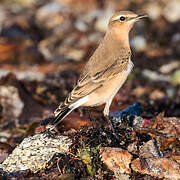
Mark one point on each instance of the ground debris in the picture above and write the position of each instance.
(158, 167)
(116, 159)
(166, 125)
(150, 149)
(44, 46)
(11, 103)
(5, 149)
(35, 152)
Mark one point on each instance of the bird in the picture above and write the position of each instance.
(106, 70)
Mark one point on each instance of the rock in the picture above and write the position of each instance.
(176, 37)
(171, 126)
(167, 68)
(50, 9)
(176, 157)
(5, 149)
(175, 41)
(158, 167)
(116, 159)
(102, 19)
(80, 6)
(171, 11)
(2, 16)
(95, 37)
(50, 15)
(123, 177)
(167, 125)
(133, 147)
(139, 43)
(23, 75)
(67, 176)
(81, 26)
(153, 9)
(12, 105)
(138, 122)
(140, 91)
(35, 152)
(149, 150)
(72, 53)
(4, 135)
(157, 94)
(154, 76)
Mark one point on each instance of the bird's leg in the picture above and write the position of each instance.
(109, 121)
(106, 115)
(106, 108)
(90, 118)
(88, 113)
(112, 127)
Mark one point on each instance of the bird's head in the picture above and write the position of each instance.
(123, 21)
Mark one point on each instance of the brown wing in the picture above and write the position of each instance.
(89, 83)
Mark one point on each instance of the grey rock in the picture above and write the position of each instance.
(35, 152)
(139, 43)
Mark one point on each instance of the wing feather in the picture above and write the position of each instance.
(89, 83)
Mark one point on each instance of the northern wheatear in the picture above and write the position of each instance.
(106, 70)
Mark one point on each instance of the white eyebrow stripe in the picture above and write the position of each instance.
(116, 17)
(131, 17)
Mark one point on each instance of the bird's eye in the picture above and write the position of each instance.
(122, 18)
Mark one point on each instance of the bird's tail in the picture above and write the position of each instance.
(60, 114)
(65, 108)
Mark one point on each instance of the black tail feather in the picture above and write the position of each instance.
(62, 114)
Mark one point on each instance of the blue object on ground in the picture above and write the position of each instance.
(134, 110)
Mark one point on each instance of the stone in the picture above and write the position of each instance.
(168, 68)
(11, 102)
(139, 43)
(153, 9)
(171, 11)
(149, 150)
(157, 94)
(116, 159)
(158, 167)
(35, 152)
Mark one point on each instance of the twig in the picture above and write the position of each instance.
(75, 157)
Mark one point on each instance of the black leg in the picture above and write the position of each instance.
(86, 110)
(90, 118)
(112, 127)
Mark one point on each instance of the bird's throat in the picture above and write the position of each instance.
(120, 37)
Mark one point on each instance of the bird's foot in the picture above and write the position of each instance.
(90, 118)
(112, 127)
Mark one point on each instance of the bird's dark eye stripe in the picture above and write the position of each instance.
(122, 18)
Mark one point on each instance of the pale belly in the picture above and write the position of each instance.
(106, 92)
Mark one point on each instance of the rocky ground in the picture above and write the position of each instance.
(44, 45)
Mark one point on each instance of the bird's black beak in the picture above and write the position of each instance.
(140, 17)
